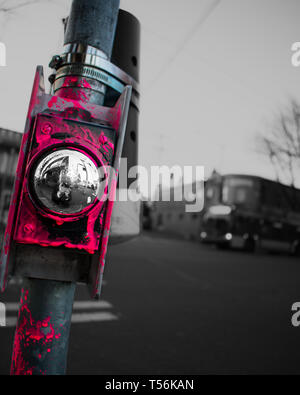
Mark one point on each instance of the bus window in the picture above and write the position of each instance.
(240, 192)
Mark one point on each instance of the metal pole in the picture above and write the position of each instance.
(93, 22)
(42, 334)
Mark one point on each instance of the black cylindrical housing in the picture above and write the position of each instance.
(93, 22)
(126, 49)
(126, 55)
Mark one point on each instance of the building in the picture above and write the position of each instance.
(172, 217)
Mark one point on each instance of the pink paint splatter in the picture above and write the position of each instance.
(29, 334)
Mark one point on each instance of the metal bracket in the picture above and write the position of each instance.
(90, 62)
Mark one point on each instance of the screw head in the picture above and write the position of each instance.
(55, 62)
(51, 79)
(87, 237)
(28, 228)
(46, 129)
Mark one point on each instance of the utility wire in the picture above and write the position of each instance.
(185, 41)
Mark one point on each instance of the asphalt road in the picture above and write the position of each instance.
(177, 307)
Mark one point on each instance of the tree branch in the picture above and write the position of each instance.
(281, 144)
(18, 5)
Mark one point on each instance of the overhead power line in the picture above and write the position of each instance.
(191, 33)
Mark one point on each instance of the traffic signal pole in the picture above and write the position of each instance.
(44, 320)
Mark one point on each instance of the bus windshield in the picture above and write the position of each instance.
(240, 192)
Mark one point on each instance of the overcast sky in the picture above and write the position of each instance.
(214, 73)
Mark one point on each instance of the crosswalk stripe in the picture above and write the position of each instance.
(89, 305)
(18, 281)
(93, 317)
(82, 305)
(79, 318)
(11, 322)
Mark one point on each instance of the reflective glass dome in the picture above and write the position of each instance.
(66, 181)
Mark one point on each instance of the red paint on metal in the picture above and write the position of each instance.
(31, 334)
(75, 88)
(106, 230)
(106, 144)
(50, 124)
(8, 236)
(66, 104)
(53, 101)
(84, 140)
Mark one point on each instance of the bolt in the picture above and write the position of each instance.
(46, 129)
(51, 78)
(55, 62)
(87, 237)
(28, 228)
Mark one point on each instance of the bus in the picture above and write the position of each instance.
(250, 212)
